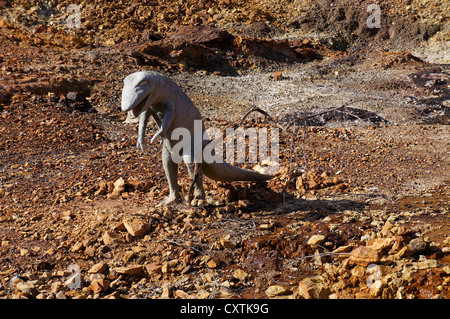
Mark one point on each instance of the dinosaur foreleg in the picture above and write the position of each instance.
(171, 170)
(169, 116)
(143, 121)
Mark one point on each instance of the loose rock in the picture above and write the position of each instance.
(276, 290)
(136, 227)
(418, 245)
(364, 256)
(130, 270)
(316, 240)
(313, 288)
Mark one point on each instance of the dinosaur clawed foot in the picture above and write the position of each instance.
(197, 202)
(171, 200)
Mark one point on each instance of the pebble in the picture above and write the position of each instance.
(316, 240)
(240, 274)
(118, 189)
(99, 285)
(276, 290)
(136, 227)
(130, 270)
(60, 295)
(418, 245)
(110, 237)
(364, 256)
(213, 263)
(277, 76)
(227, 242)
(313, 288)
(153, 268)
(98, 268)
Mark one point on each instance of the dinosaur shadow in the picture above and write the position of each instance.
(262, 201)
(310, 209)
(346, 114)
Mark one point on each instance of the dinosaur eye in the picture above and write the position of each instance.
(144, 82)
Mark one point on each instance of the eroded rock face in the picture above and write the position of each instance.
(212, 49)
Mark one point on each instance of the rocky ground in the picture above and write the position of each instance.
(359, 207)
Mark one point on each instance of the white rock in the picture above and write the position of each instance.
(316, 240)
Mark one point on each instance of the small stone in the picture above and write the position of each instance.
(404, 252)
(24, 252)
(153, 268)
(313, 288)
(382, 245)
(56, 286)
(227, 242)
(60, 295)
(26, 288)
(167, 292)
(446, 269)
(77, 247)
(130, 270)
(386, 230)
(425, 263)
(418, 245)
(213, 263)
(102, 189)
(90, 251)
(97, 268)
(182, 294)
(110, 238)
(240, 274)
(358, 271)
(119, 226)
(139, 185)
(364, 256)
(168, 266)
(277, 76)
(119, 188)
(316, 240)
(40, 296)
(276, 290)
(300, 184)
(343, 249)
(99, 285)
(136, 227)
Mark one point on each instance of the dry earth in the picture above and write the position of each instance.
(365, 184)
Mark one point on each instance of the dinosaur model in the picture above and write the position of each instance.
(148, 94)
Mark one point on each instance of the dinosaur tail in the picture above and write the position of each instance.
(225, 172)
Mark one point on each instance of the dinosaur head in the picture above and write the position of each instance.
(138, 93)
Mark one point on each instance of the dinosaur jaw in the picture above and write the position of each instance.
(135, 111)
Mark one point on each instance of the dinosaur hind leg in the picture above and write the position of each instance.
(171, 170)
(198, 193)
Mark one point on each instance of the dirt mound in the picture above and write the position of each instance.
(217, 51)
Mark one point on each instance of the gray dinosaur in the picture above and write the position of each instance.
(148, 94)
